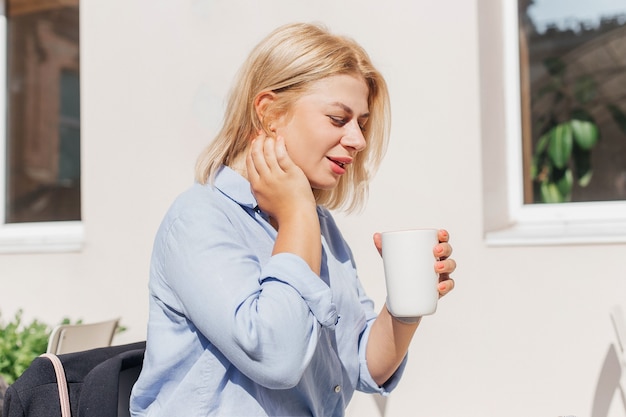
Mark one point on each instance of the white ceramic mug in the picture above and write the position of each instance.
(410, 275)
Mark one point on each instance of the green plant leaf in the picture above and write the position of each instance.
(560, 146)
(585, 89)
(550, 193)
(585, 133)
(565, 184)
(539, 156)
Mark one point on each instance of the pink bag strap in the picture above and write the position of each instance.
(64, 396)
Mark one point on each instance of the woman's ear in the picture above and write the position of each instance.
(263, 105)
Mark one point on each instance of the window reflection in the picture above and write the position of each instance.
(43, 135)
(573, 83)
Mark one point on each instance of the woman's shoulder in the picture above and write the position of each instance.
(198, 198)
(198, 204)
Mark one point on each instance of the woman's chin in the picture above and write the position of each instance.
(324, 186)
(325, 183)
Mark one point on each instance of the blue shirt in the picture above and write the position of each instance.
(236, 331)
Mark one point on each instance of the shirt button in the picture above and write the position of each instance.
(337, 389)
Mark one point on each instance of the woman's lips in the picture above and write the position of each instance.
(339, 164)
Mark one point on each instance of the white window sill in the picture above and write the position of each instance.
(41, 237)
(559, 233)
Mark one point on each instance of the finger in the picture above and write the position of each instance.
(450, 265)
(282, 156)
(257, 155)
(378, 242)
(445, 286)
(253, 175)
(442, 250)
(439, 251)
(443, 235)
(446, 266)
(269, 153)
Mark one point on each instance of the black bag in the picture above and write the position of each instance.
(98, 384)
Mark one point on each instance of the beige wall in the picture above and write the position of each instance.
(527, 329)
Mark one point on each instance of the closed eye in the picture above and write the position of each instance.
(342, 121)
(338, 121)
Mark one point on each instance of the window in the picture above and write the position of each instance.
(562, 178)
(573, 96)
(41, 174)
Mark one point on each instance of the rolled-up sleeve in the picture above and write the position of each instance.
(311, 288)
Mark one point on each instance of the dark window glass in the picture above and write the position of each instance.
(43, 111)
(573, 84)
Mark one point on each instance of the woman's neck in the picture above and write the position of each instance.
(239, 165)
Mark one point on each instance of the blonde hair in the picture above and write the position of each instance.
(287, 62)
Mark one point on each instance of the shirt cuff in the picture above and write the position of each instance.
(366, 382)
(295, 272)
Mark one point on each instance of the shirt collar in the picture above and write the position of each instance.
(235, 187)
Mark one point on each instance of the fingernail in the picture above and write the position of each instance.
(440, 265)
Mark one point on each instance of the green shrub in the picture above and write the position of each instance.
(20, 344)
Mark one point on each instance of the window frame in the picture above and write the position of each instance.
(61, 236)
(537, 224)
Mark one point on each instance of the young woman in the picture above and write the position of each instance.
(256, 308)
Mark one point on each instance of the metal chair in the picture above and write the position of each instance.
(68, 338)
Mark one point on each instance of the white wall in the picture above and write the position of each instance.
(527, 329)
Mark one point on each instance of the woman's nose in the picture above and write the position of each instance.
(353, 136)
